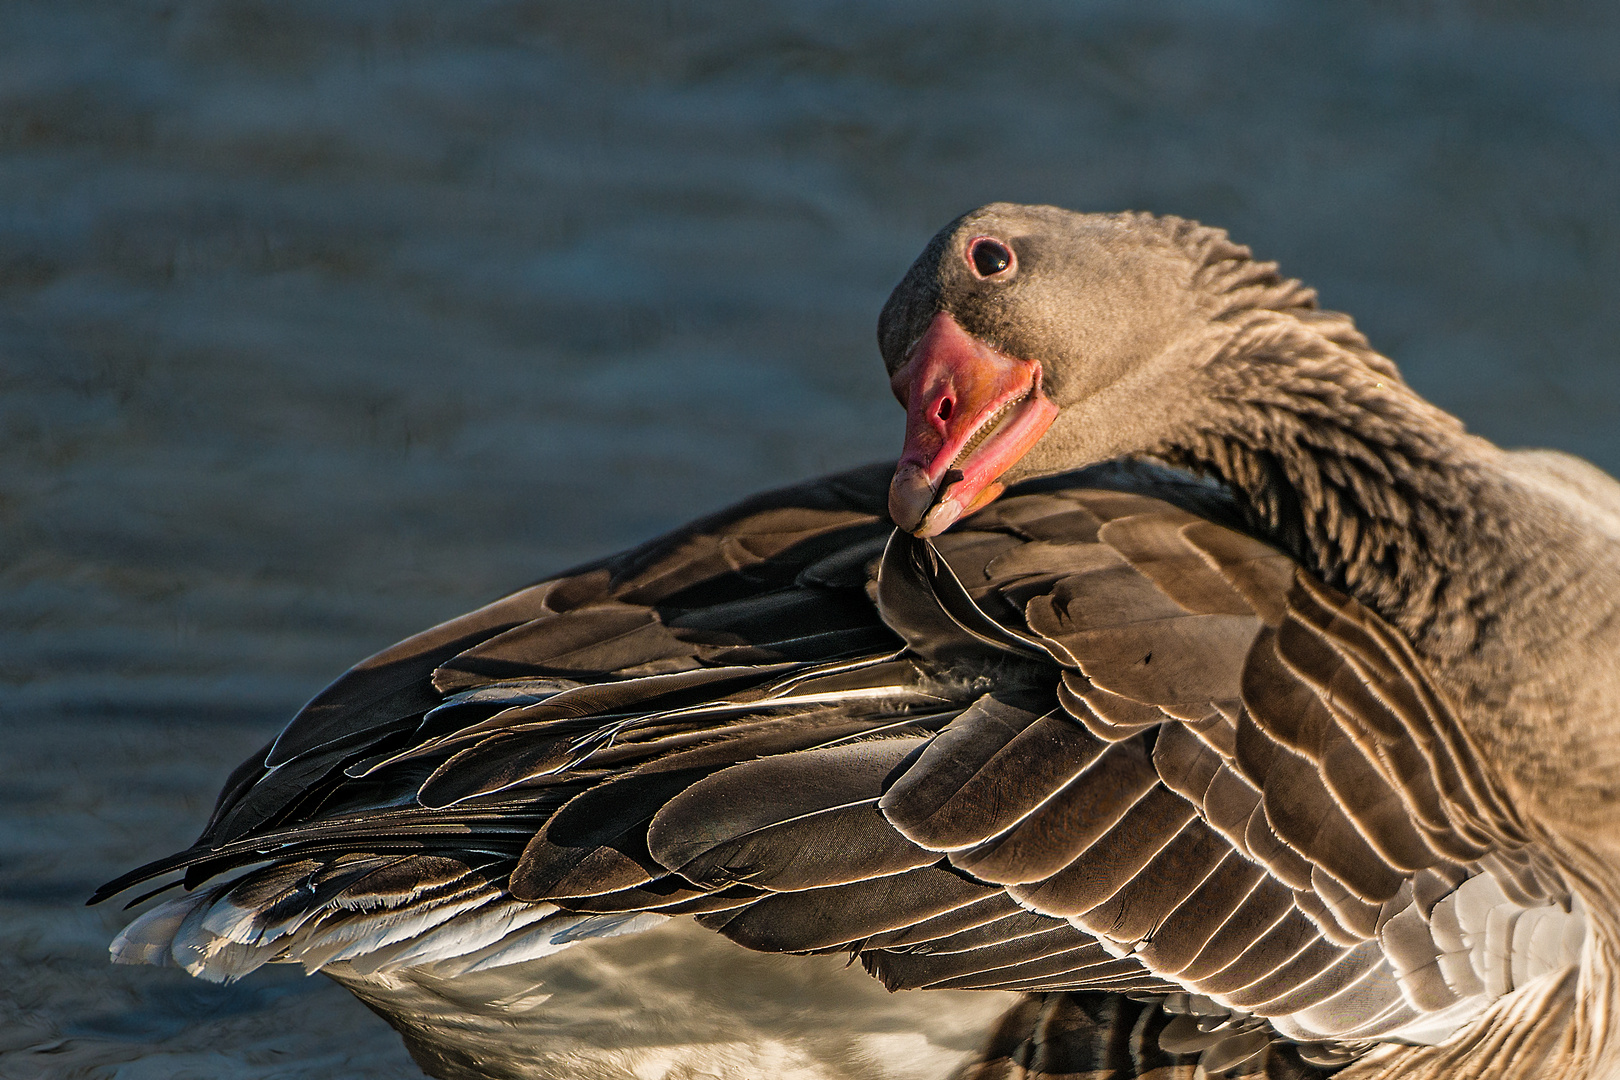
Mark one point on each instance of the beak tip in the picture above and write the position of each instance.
(910, 495)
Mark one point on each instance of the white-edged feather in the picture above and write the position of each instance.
(150, 938)
(469, 932)
(358, 934)
(535, 942)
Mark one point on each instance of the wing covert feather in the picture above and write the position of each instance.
(1000, 767)
(790, 822)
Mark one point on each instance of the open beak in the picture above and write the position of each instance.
(970, 413)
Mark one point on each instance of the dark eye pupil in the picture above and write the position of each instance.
(990, 258)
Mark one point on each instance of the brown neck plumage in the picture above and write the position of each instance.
(1337, 460)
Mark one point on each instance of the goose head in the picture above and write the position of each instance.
(1031, 340)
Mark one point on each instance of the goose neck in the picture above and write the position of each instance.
(1372, 488)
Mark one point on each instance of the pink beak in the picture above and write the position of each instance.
(971, 412)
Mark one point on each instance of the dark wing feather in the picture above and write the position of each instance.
(1056, 948)
(990, 908)
(1061, 827)
(844, 915)
(397, 682)
(990, 769)
(821, 827)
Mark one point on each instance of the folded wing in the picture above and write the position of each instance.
(1096, 738)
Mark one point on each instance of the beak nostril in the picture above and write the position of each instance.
(944, 410)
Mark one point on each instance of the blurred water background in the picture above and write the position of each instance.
(324, 320)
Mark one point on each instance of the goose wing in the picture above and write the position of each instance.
(1094, 738)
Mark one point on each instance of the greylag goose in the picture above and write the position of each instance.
(1215, 690)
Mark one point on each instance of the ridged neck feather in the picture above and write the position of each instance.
(1339, 462)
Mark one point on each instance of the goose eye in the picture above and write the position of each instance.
(989, 257)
